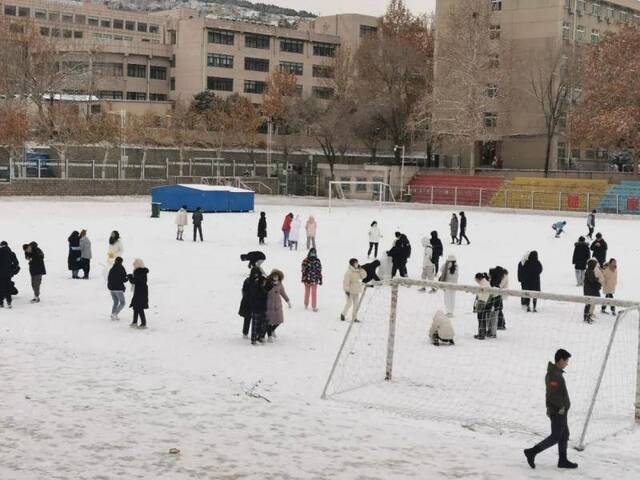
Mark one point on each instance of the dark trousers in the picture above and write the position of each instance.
(559, 435)
(373, 246)
(498, 306)
(590, 234)
(139, 312)
(527, 302)
(604, 307)
(85, 265)
(271, 329)
(5, 290)
(399, 266)
(463, 234)
(197, 229)
(246, 325)
(261, 240)
(258, 326)
(454, 239)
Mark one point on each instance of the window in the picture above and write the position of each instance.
(322, 92)
(494, 32)
(54, 16)
(102, 36)
(10, 10)
(299, 90)
(219, 83)
(136, 70)
(158, 73)
(361, 187)
(292, 67)
(577, 95)
(595, 36)
(109, 69)
(78, 34)
(575, 154)
(155, 29)
(345, 187)
(492, 90)
(81, 19)
(610, 12)
(580, 33)
(494, 60)
(595, 9)
(253, 86)
(105, 22)
(16, 28)
(291, 46)
(67, 34)
(172, 61)
(376, 187)
(129, 25)
(222, 37)
(67, 18)
(367, 30)
(110, 94)
(41, 14)
(119, 24)
(256, 64)
(324, 49)
(253, 40)
(580, 7)
(44, 31)
(562, 151)
(93, 21)
(158, 97)
(322, 71)
(172, 83)
(24, 12)
(566, 30)
(590, 154)
(142, 27)
(219, 60)
(136, 96)
(490, 119)
(496, 5)
(55, 32)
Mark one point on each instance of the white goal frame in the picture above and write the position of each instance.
(395, 284)
(382, 190)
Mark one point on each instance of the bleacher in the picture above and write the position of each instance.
(454, 189)
(621, 198)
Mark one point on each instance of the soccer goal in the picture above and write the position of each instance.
(387, 361)
(379, 192)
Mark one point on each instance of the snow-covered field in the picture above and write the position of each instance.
(83, 397)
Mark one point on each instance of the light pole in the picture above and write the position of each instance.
(395, 150)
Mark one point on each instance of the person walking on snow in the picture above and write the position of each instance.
(450, 275)
(197, 219)
(400, 253)
(591, 224)
(463, 229)
(275, 295)
(85, 254)
(610, 277)
(310, 228)
(9, 266)
(599, 248)
(558, 405)
(438, 250)
(521, 263)
(428, 268)
(352, 286)
(257, 305)
(530, 278)
(593, 280)
(294, 234)
(558, 227)
(73, 259)
(441, 329)
(181, 222)
(499, 278)
(115, 284)
(116, 247)
(262, 228)
(311, 278)
(581, 254)
(35, 257)
(286, 228)
(374, 239)
(453, 227)
(140, 299)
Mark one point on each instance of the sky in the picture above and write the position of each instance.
(369, 7)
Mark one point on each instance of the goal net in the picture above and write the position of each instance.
(340, 192)
(388, 361)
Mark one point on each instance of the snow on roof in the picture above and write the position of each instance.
(67, 97)
(213, 188)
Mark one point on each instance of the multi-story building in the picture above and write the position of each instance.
(524, 29)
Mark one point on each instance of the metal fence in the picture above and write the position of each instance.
(525, 199)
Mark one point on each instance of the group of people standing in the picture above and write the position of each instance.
(79, 257)
(291, 230)
(10, 267)
(182, 221)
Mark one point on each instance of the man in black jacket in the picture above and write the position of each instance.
(463, 229)
(592, 284)
(558, 404)
(197, 223)
(581, 254)
(35, 257)
(599, 248)
(9, 267)
(115, 283)
(400, 253)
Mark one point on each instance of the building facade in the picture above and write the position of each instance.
(524, 30)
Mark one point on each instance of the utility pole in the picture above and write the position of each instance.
(395, 149)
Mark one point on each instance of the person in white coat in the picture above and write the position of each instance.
(181, 221)
(294, 234)
(352, 286)
(450, 274)
(310, 228)
(374, 239)
(115, 247)
(428, 267)
(441, 329)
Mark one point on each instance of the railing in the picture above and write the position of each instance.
(525, 199)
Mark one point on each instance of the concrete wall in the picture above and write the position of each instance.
(55, 187)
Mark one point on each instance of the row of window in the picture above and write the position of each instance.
(263, 42)
(118, 95)
(259, 87)
(576, 153)
(117, 69)
(82, 19)
(221, 60)
(64, 33)
(580, 35)
(602, 10)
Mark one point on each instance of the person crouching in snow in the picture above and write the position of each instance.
(255, 259)
(181, 221)
(294, 234)
(275, 295)
(441, 329)
(428, 267)
(371, 269)
(140, 299)
(559, 227)
(352, 286)
(262, 228)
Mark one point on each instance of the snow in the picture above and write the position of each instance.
(87, 398)
(213, 188)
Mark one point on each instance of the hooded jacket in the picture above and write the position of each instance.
(181, 218)
(311, 226)
(441, 324)
(262, 225)
(592, 281)
(352, 281)
(581, 254)
(138, 279)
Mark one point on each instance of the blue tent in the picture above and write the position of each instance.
(209, 198)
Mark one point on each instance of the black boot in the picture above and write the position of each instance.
(530, 453)
(564, 463)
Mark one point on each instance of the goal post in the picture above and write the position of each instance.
(379, 190)
(387, 361)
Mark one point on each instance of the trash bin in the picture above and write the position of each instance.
(155, 209)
